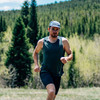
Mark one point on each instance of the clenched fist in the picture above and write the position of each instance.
(37, 68)
(63, 60)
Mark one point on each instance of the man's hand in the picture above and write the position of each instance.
(63, 60)
(37, 68)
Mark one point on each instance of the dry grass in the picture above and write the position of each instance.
(64, 94)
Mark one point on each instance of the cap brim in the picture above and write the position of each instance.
(55, 26)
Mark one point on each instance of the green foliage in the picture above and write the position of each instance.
(10, 17)
(3, 28)
(75, 16)
(87, 60)
(1, 48)
(25, 12)
(18, 56)
(1, 36)
(3, 25)
(73, 73)
(33, 26)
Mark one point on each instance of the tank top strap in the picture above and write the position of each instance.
(46, 38)
(59, 37)
(60, 40)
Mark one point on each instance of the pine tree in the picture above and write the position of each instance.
(1, 28)
(73, 73)
(66, 22)
(3, 25)
(39, 33)
(25, 12)
(94, 27)
(79, 29)
(83, 28)
(33, 26)
(18, 55)
(91, 29)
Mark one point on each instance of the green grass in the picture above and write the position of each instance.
(40, 94)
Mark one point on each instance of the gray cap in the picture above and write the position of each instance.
(54, 24)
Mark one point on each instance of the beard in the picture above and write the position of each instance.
(54, 35)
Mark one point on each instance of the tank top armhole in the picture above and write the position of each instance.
(60, 38)
(45, 38)
(61, 43)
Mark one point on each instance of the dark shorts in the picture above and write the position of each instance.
(47, 78)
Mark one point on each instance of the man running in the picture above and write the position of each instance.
(54, 48)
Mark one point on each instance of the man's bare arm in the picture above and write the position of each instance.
(68, 51)
(35, 54)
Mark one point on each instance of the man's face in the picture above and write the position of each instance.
(54, 31)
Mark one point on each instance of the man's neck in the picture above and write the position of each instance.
(51, 39)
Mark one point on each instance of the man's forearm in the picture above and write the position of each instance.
(69, 57)
(35, 57)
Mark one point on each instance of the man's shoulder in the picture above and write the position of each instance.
(64, 40)
(40, 42)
